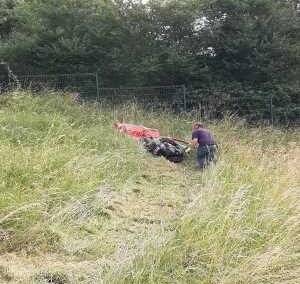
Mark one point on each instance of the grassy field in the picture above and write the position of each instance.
(80, 203)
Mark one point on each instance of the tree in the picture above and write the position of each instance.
(254, 41)
(66, 36)
(7, 17)
(200, 43)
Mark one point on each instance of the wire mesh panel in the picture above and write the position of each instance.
(251, 108)
(84, 84)
(3, 84)
(4, 77)
(255, 109)
(214, 106)
(8, 80)
(153, 97)
(205, 103)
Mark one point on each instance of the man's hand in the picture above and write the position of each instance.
(194, 143)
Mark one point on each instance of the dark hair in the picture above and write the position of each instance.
(198, 125)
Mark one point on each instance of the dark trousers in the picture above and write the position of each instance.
(206, 155)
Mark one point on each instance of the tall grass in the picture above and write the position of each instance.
(82, 204)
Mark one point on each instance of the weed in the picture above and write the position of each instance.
(77, 197)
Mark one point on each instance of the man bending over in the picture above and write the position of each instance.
(204, 139)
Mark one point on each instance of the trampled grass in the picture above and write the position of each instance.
(80, 203)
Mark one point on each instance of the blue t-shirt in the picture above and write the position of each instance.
(203, 136)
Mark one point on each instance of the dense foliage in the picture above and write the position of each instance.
(211, 45)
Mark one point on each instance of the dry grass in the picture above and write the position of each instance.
(80, 204)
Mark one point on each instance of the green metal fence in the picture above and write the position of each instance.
(156, 97)
(85, 84)
(175, 98)
(253, 108)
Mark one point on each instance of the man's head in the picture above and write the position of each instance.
(197, 125)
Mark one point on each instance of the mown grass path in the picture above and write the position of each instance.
(82, 204)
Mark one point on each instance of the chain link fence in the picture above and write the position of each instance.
(177, 98)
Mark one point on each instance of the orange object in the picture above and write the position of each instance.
(137, 131)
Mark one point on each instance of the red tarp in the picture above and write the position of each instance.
(137, 131)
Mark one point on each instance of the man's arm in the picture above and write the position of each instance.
(194, 142)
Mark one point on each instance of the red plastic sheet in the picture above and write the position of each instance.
(137, 131)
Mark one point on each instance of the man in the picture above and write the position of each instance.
(204, 139)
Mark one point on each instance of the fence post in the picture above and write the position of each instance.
(184, 97)
(97, 86)
(271, 111)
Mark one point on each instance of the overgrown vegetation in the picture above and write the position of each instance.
(80, 203)
(244, 49)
